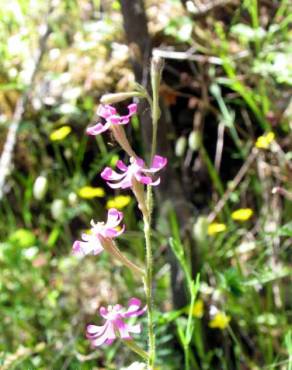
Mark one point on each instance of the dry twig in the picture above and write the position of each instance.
(7, 153)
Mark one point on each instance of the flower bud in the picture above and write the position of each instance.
(194, 140)
(200, 229)
(157, 64)
(40, 187)
(180, 146)
(72, 199)
(118, 97)
(57, 209)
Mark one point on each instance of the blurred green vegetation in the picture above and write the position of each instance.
(242, 73)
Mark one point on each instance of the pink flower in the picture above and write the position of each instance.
(115, 326)
(92, 243)
(135, 171)
(111, 117)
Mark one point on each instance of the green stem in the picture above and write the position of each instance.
(135, 348)
(148, 293)
(156, 69)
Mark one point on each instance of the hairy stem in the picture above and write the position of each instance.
(156, 69)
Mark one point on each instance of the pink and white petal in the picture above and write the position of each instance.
(114, 120)
(86, 248)
(127, 183)
(132, 109)
(97, 249)
(119, 232)
(86, 237)
(103, 312)
(93, 330)
(117, 185)
(146, 180)
(109, 174)
(134, 304)
(134, 308)
(121, 166)
(139, 162)
(103, 339)
(136, 329)
(97, 129)
(124, 120)
(156, 182)
(114, 218)
(110, 331)
(157, 164)
(106, 111)
(109, 341)
(76, 248)
(110, 233)
(122, 329)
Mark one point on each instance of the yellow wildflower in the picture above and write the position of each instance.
(198, 309)
(263, 142)
(89, 192)
(215, 228)
(220, 321)
(118, 202)
(242, 214)
(60, 133)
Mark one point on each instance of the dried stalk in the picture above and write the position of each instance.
(7, 153)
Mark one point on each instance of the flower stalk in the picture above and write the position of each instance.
(111, 247)
(156, 71)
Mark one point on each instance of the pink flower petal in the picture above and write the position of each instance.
(123, 329)
(76, 248)
(103, 312)
(115, 120)
(134, 308)
(93, 330)
(121, 166)
(106, 111)
(157, 164)
(146, 180)
(121, 231)
(114, 218)
(109, 174)
(97, 129)
(139, 162)
(156, 182)
(132, 109)
(111, 233)
(106, 337)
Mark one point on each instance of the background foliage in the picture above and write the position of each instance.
(232, 86)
